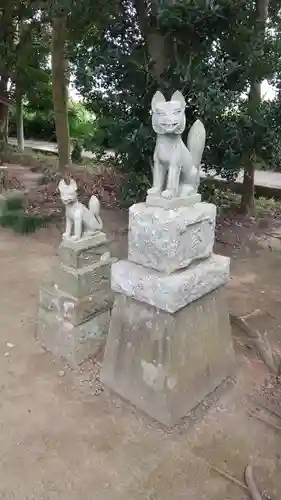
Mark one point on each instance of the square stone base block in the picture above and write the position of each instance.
(166, 364)
(73, 343)
(169, 240)
(72, 309)
(84, 281)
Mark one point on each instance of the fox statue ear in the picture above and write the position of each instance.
(177, 96)
(158, 97)
(73, 184)
(61, 185)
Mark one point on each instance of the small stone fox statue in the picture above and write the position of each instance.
(172, 159)
(86, 221)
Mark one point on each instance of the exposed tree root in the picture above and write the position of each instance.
(250, 482)
(260, 341)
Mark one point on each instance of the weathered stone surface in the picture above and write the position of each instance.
(84, 252)
(72, 309)
(73, 343)
(165, 364)
(160, 201)
(169, 292)
(85, 281)
(168, 240)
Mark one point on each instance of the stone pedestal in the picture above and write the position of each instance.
(74, 310)
(169, 342)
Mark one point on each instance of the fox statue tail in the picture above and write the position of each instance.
(94, 207)
(196, 143)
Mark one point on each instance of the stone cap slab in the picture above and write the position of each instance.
(160, 201)
(84, 243)
(169, 292)
(84, 252)
(169, 240)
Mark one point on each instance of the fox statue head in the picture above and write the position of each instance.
(68, 192)
(168, 117)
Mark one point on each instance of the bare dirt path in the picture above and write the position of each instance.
(61, 441)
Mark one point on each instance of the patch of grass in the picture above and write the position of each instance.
(225, 200)
(14, 217)
(264, 206)
(14, 203)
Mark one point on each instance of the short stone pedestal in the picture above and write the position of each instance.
(169, 342)
(74, 310)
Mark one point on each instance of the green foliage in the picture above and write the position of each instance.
(14, 216)
(225, 200)
(39, 122)
(37, 125)
(81, 121)
(14, 203)
(212, 52)
(22, 222)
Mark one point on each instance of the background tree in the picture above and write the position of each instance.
(60, 86)
(212, 51)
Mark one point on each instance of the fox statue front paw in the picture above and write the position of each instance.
(168, 193)
(154, 190)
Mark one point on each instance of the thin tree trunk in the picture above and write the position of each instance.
(3, 112)
(18, 85)
(59, 87)
(254, 100)
(6, 126)
(19, 117)
(3, 126)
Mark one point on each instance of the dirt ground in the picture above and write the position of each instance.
(61, 438)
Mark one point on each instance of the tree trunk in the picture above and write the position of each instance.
(155, 41)
(59, 87)
(6, 126)
(3, 112)
(19, 117)
(254, 100)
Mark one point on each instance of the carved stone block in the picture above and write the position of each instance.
(84, 281)
(81, 253)
(72, 309)
(168, 240)
(169, 292)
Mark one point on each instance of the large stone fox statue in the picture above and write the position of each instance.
(172, 159)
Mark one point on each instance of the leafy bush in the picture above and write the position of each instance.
(14, 216)
(40, 124)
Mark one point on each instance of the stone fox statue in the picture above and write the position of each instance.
(172, 159)
(85, 221)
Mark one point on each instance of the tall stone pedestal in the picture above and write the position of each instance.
(169, 343)
(74, 309)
